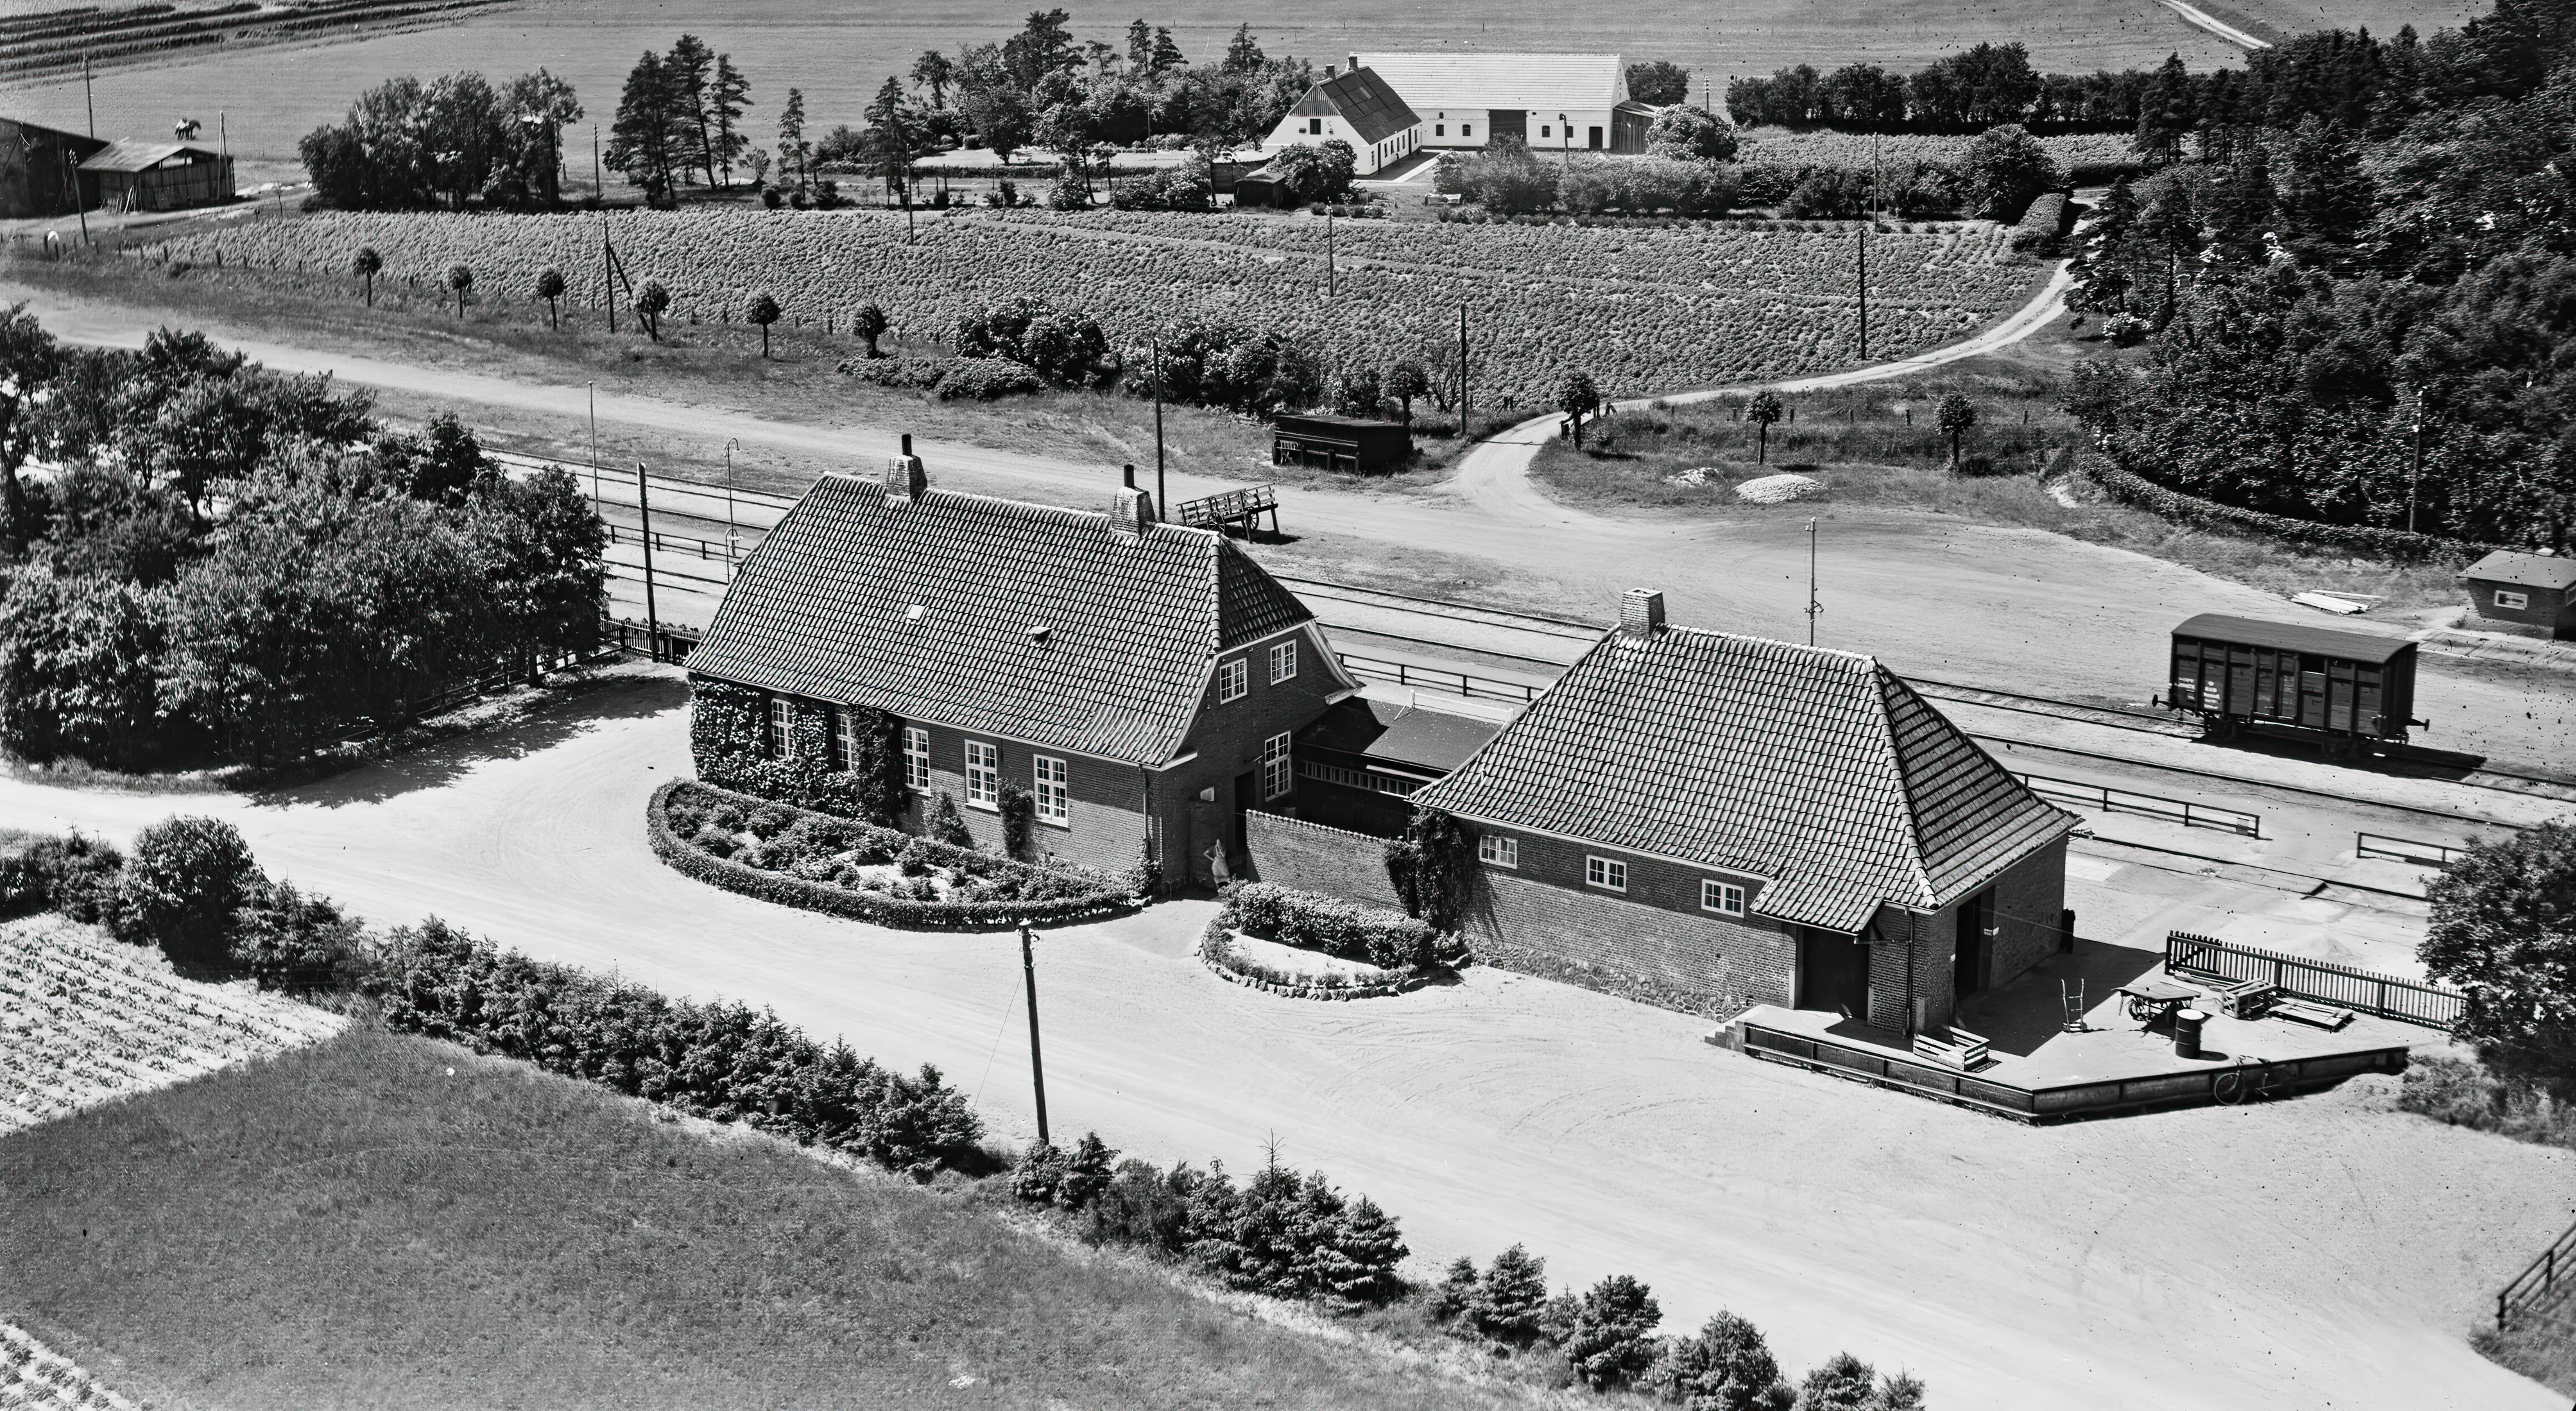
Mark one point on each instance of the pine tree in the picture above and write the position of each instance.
(2167, 111)
(934, 71)
(640, 144)
(686, 69)
(1208, 1227)
(1266, 1232)
(1612, 1340)
(1242, 56)
(1140, 46)
(1456, 1290)
(1367, 1247)
(1040, 1174)
(1087, 1169)
(1511, 1298)
(793, 149)
(1167, 54)
(725, 103)
(1725, 1366)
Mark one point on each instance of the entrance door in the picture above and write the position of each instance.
(1833, 973)
(1976, 918)
(1506, 122)
(1595, 143)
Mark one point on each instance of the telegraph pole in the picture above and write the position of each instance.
(2415, 475)
(1864, 290)
(1330, 289)
(1037, 1068)
(653, 619)
(1462, 374)
(1813, 607)
(89, 98)
(594, 447)
(608, 271)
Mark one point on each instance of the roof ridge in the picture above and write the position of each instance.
(1881, 682)
(1066, 512)
(1862, 657)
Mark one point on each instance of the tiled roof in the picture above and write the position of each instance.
(1464, 82)
(1817, 770)
(2525, 570)
(825, 608)
(1397, 733)
(1363, 100)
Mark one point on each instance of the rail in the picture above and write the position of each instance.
(705, 548)
(2320, 980)
(1456, 683)
(2538, 1283)
(2393, 849)
(1365, 779)
(670, 643)
(2110, 800)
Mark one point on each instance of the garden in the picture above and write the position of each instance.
(1310, 946)
(803, 858)
(1675, 304)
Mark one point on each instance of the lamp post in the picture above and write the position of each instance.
(1162, 504)
(733, 545)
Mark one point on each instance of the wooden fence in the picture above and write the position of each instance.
(2320, 980)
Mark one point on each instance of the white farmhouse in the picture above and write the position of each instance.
(1359, 108)
(1553, 102)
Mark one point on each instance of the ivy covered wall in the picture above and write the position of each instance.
(729, 739)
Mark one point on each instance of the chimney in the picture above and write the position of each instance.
(1130, 513)
(1641, 612)
(904, 478)
(1355, 63)
(1329, 74)
(1129, 471)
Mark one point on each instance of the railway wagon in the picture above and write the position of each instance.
(2352, 689)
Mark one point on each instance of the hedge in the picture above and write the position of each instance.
(2131, 488)
(1389, 940)
(723, 1062)
(2050, 216)
(1102, 894)
(1217, 951)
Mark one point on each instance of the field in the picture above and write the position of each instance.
(1848, 149)
(395, 1222)
(1641, 310)
(84, 1020)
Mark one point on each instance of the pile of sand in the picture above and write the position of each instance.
(1780, 489)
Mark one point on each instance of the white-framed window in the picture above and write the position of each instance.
(916, 757)
(1053, 803)
(782, 728)
(1497, 849)
(1724, 898)
(1233, 679)
(845, 736)
(2506, 598)
(1607, 873)
(983, 774)
(1283, 661)
(1277, 769)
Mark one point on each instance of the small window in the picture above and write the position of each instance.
(1052, 805)
(1545, 131)
(916, 758)
(1440, 129)
(1233, 678)
(983, 774)
(1315, 125)
(845, 736)
(2508, 599)
(1498, 850)
(1609, 874)
(1466, 129)
(1724, 898)
(1283, 661)
(782, 728)
(1277, 773)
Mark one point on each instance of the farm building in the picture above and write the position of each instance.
(1141, 680)
(2536, 591)
(1355, 107)
(157, 176)
(1360, 444)
(1362, 761)
(1552, 102)
(40, 171)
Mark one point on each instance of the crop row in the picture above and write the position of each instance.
(38, 1378)
(88, 1020)
(1640, 310)
(1779, 146)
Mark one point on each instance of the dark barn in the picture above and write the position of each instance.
(40, 170)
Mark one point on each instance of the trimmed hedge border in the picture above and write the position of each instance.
(898, 912)
(2130, 488)
(1216, 952)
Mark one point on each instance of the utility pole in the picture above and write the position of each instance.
(598, 185)
(608, 272)
(1037, 1068)
(653, 619)
(2415, 475)
(89, 98)
(594, 448)
(732, 541)
(1813, 607)
(1864, 290)
(1330, 288)
(1462, 374)
(1162, 506)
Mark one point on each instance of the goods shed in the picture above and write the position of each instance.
(157, 176)
(2532, 591)
(1341, 443)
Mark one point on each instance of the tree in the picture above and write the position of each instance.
(892, 139)
(1763, 411)
(1658, 82)
(934, 72)
(536, 108)
(1511, 1299)
(2504, 933)
(1612, 1342)
(869, 322)
(29, 359)
(1842, 1383)
(1691, 134)
(182, 884)
(687, 69)
(793, 149)
(726, 100)
(2005, 170)
(78, 654)
(650, 301)
(1958, 414)
(643, 141)
(1167, 54)
(2167, 111)
(459, 280)
(1578, 397)
(762, 311)
(1404, 381)
(550, 287)
(366, 264)
(1725, 1366)
(1242, 56)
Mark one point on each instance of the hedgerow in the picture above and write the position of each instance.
(2131, 488)
(1389, 940)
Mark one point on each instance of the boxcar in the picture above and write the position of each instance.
(2236, 673)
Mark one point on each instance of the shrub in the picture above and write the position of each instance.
(74, 875)
(723, 1062)
(1842, 1383)
(181, 887)
(296, 941)
(2046, 223)
(946, 824)
(985, 380)
(2504, 933)
(1725, 1366)
(1509, 1304)
(1449, 1299)
(916, 374)
(1313, 921)
(1143, 1206)
(2131, 488)
(1019, 809)
(1433, 867)
(1612, 1340)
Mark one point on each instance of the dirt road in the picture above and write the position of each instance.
(2308, 1254)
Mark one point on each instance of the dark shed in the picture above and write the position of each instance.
(1341, 443)
(158, 176)
(40, 171)
(2525, 590)
(2236, 672)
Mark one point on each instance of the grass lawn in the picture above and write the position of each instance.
(1879, 449)
(394, 1222)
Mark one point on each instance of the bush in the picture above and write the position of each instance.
(1433, 867)
(1725, 1366)
(1313, 921)
(2504, 933)
(986, 380)
(181, 887)
(1612, 1340)
(294, 941)
(2130, 488)
(945, 824)
(1019, 809)
(1509, 1304)
(2045, 224)
(74, 875)
(1144, 1207)
(916, 374)
(724, 1062)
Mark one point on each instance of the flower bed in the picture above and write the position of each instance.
(1394, 946)
(797, 857)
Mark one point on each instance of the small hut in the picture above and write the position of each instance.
(158, 176)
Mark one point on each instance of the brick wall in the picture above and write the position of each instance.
(1229, 734)
(1292, 852)
(2029, 899)
(1902, 937)
(1105, 800)
(1697, 963)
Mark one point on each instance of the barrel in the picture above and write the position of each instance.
(2186, 1027)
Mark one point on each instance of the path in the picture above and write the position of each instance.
(2311, 1254)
